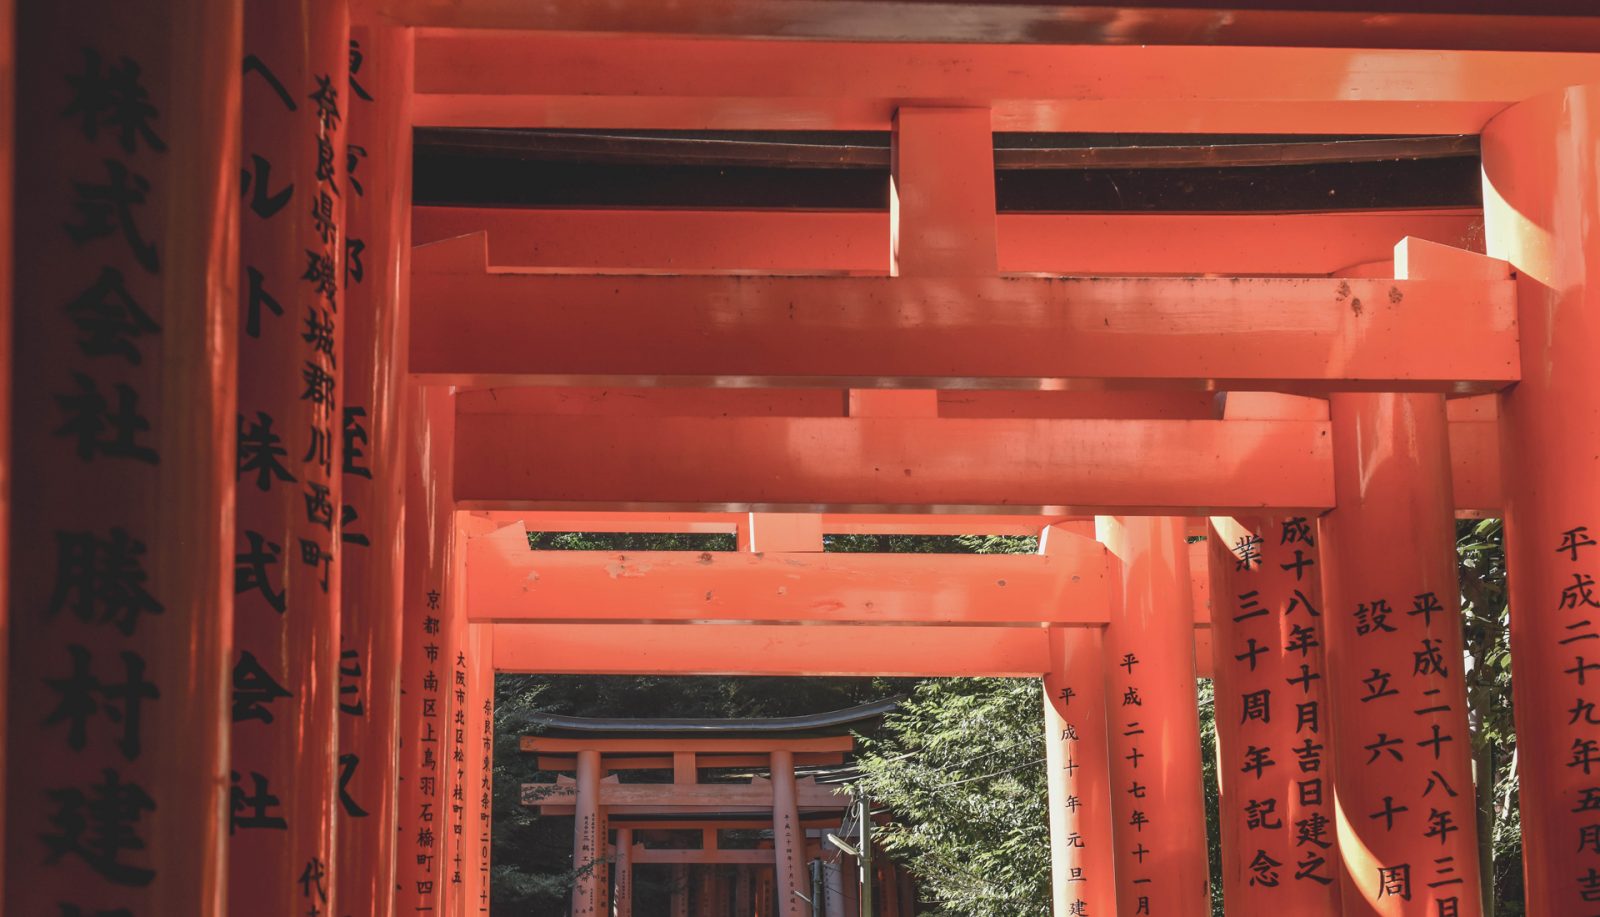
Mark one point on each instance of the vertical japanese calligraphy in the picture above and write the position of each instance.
(480, 766)
(287, 782)
(377, 199)
(1539, 196)
(428, 601)
(1157, 809)
(119, 557)
(1280, 851)
(1402, 764)
(1083, 876)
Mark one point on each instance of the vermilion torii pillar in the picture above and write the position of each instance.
(1082, 857)
(287, 574)
(1541, 207)
(377, 201)
(1279, 847)
(680, 891)
(622, 893)
(1402, 762)
(120, 564)
(425, 669)
(1157, 808)
(788, 838)
(588, 840)
(480, 770)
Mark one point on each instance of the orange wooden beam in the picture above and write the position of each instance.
(758, 649)
(716, 856)
(664, 762)
(673, 797)
(630, 745)
(1048, 466)
(832, 523)
(468, 78)
(655, 401)
(810, 242)
(508, 583)
(476, 326)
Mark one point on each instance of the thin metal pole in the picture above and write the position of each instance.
(864, 814)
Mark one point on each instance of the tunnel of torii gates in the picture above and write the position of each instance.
(270, 466)
(651, 821)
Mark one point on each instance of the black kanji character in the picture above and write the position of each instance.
(114, 98)
(259, 450)
(109, 319)
(253, 64)
(250, 569)
(106, 209)
(101, 429)
(99, 826)
(256, 809)
(120, 701)
(102, 580)
(254, 689)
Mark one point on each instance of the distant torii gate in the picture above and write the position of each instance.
(597, 750)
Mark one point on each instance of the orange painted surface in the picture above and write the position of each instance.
(632, 745)
(1402, 762)
(479, 789)
(1279, 842)
(425, 671)
(941, 193)
(377, 199)
(121, 473)
(473, 326)
(780, 533)
(812, 242)
(789, 838)
(292, 385)
(680, 891)
(461, 710)
(588, 839)
(756, 649)
(1541, 197)
(481, 79)
(1078, 772)
(622, 872)
(729, 523)
(1158, 814)
(510, 583)
(874, 463)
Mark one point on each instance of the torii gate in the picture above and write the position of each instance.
(210, 390)
(597, 750)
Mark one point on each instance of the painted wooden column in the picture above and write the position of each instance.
(833, 879)
(290, 443)
(1158, 813)
(462, 711)
(480, 795)
(705, 890)
(377, 202)
(8, 147)
(908, 895)
(425, 673)
(1541, 207)
(1402, 765)
(889, 889)
(1279, 848)
(588, 841)
(788, 839)
(622, 875)
(743, 891)
(1279, 845)
(1078, 772)
(121, 472)
(680, 891)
